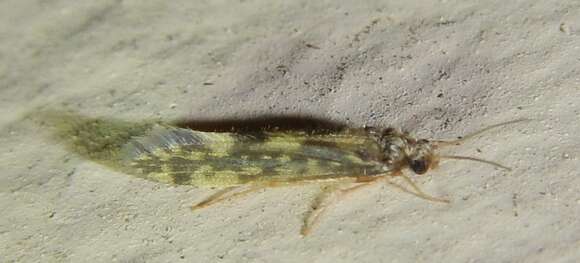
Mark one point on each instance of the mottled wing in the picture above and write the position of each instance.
(183, 156)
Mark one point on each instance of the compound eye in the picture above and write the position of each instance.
(418, 166)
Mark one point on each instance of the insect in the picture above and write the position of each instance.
(240, 162)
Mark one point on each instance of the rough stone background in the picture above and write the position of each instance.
(438, 68)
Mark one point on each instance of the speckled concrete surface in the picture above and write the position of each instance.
(437, 68)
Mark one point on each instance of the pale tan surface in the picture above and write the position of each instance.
(377, 64)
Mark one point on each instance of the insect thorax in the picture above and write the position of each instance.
(401, 150)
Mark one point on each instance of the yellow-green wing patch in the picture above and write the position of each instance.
(183, 156)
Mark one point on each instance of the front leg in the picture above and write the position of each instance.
(418, 192)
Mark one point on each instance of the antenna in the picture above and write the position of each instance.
(477, 133)
(476, 160)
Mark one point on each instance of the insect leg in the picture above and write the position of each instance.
(223, 195)
(212, 198)
(312, 216)
(325, 199)
(418, 192)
